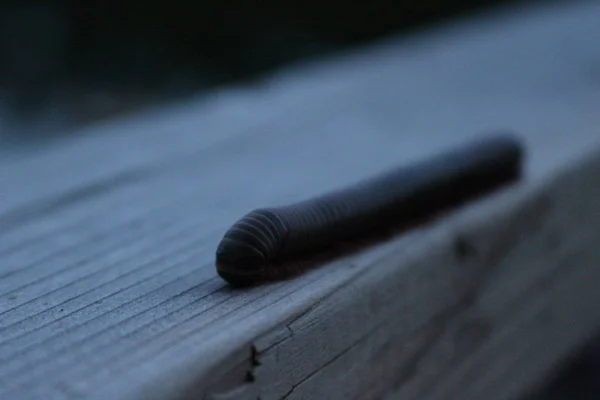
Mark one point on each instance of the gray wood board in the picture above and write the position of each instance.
(107, 282)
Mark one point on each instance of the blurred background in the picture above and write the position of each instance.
(65, 63)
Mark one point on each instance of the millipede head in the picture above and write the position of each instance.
(238, 262)
(248, 246)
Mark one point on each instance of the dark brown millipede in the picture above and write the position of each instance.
(252, 247)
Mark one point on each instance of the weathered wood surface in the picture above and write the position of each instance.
(107, 283)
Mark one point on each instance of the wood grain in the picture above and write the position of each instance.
(107, 280)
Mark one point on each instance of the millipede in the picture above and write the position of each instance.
(254, 248)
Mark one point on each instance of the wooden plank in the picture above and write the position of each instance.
(433, 323)
(108, 287)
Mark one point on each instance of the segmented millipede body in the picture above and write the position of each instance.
(252, 246)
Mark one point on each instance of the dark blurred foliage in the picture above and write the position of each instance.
(60, 51)
(235, 38)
